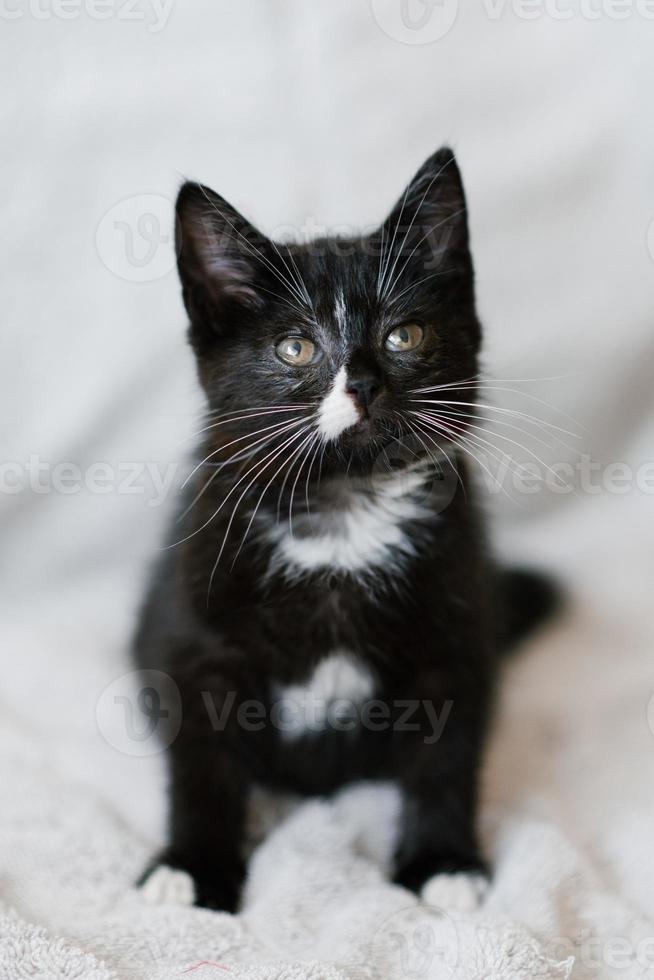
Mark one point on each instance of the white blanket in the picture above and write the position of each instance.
(318, 115)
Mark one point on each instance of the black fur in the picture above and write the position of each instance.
(231, 628)
(526, 598)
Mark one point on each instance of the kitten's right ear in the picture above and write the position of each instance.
(219, 256)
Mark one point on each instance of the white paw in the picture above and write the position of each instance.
(168, 886)
(460, 892)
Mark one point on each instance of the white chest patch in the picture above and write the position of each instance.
(337, 411)
(364, 530)
(338, 685)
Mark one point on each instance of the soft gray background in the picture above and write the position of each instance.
(304, 112)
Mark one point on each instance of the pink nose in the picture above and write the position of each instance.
(364, 390)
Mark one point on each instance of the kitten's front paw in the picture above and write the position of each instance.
(168, 886)
(444, 881)
(461, 892)
(176, 880)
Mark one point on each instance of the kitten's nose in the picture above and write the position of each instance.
(364, 388)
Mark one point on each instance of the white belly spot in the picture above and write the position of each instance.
(336, 688)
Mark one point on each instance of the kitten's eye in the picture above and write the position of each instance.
(407, 337)
(296, 351)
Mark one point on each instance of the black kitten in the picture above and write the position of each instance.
(328, 611)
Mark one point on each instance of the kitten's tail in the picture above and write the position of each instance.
(527, 598)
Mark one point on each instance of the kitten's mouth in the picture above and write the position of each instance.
(368, 433)
(364, 430)
(365, 425)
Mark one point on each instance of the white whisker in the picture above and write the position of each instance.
(494, 408)
(254, 250)
(385, 287)
(316, 436)
(318, 445)
(450, 413)
(485, 386)
(434, 228)
(417, 432)
(224, 501)
(464, 444)
(276, 426)
(419, 282)
(389, 252)
(275, 455)
(243, 454)
(263, 493)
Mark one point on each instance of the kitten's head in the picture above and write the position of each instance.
(334, 339)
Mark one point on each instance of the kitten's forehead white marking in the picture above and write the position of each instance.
(337, 411)
(340, 311)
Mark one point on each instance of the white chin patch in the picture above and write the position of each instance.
(168, 886)
(337, 411)
(459, 892)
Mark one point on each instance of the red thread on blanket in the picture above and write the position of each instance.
(197, 966)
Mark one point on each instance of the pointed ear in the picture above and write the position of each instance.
(427, 230)
(220, 256)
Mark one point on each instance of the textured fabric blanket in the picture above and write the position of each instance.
(315, 116)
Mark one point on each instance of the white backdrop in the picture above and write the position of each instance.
(304, 113)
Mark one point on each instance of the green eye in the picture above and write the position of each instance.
(404, 338)
(296, 351)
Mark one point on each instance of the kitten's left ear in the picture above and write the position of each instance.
(221, 257)
(428, 228)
